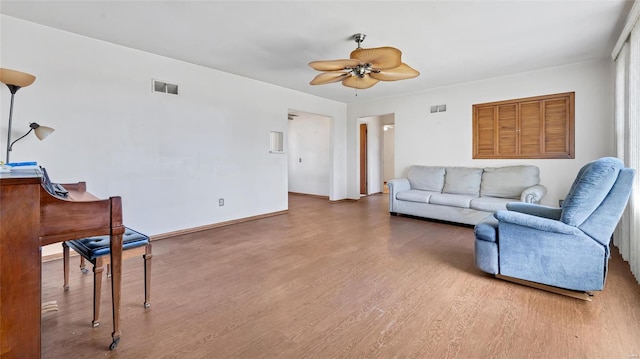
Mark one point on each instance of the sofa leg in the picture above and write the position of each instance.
(393, 213)
(566, 292)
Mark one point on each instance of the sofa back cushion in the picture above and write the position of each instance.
(426, 178)
(462, 180)
(509, 181)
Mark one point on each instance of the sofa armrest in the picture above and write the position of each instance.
(398, 185)
(533, 222)
(535, 210)
(395, 186)
(533, 194)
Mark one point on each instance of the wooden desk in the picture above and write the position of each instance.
(29, 218)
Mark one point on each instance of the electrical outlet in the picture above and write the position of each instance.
(220, 202)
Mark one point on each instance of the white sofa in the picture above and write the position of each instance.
(463, 194)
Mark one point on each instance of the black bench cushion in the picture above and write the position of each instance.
(94, 247)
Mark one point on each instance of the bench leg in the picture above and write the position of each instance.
(147, 275)
(65, 265)
(83, 267)
(97, 287)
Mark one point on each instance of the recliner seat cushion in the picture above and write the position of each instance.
(509, 181)
(426, 178)
(486, 231)
(462, 180)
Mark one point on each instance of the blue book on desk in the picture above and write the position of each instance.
(22, 164)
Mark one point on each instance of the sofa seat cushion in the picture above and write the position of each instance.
(489, 204)
(453, 200)
(463, 180)
(415, 195)
(509, 181)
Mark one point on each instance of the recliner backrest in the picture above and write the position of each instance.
(601, 224)
(590, 188)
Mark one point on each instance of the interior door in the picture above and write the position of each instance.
(363, 159)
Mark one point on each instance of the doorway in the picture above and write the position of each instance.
(309, 153)
(376, 153)
(363, 160)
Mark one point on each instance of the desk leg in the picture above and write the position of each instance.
(116, 282)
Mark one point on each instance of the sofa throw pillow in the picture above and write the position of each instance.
(509, 181)
(462, 180)
(426, 178)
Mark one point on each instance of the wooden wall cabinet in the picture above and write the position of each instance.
(534, 127)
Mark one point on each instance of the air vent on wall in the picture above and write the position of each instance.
(165, 87)
(438, 108)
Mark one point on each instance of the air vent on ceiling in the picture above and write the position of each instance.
(165, 87)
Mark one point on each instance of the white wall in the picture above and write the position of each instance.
(446, 138)
(309, 154)
(169, 157)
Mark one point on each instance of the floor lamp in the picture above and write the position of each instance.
(15, 80)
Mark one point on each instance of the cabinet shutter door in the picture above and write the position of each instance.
(530, 128)
(484, 128)
(556, 129)
(507, 131)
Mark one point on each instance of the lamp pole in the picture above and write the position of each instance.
(14, 80)
(13, 89)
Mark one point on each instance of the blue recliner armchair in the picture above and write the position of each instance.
(559, 249)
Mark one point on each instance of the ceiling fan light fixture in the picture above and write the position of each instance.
(359, 83)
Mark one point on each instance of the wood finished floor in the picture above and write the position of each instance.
(343, 280)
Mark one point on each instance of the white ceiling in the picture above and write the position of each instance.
(449, 42)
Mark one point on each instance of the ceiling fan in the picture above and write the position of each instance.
(364, 68)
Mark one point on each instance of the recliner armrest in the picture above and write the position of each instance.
(533, 194)
(539, 223)
(535, 210)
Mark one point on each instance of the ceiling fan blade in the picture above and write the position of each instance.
(333, 65)
(401, 72)
(329, 77)
(382, 58)
(359, 83)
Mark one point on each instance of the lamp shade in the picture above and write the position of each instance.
(16, 78)
(42, 132)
